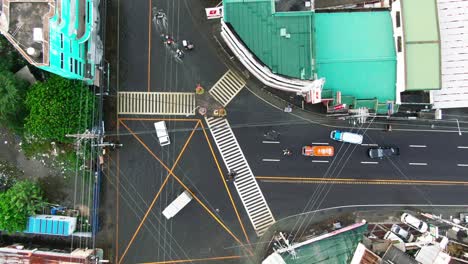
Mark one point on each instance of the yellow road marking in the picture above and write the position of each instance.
(162, 185)
(225, 185)
(282, 179)
(184, 186)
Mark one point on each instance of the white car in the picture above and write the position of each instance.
(398, 230)
(414, 222)
(161, 132)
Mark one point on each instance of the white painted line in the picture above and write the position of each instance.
(270, 142)
(270, 160)
(417, 146)
(462, 165)
(369, 162)
(370, 145)
(417, 164)
(319, 143)
(462, 147)
(320, 161)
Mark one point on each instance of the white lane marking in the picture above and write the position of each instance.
(369, 162)
(370, 145)
(462, 165)
(462, 147)
(319, 143)
(417, 163)
(417, 146)
(270, 142)
(320, 161)
(270, 160)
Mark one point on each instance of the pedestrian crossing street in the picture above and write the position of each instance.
(246, 185)
(156, 103)
(226, 88)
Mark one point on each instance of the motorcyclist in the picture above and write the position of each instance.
(287, 152)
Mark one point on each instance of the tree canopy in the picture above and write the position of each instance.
(12, 97)
(18, 203)
(58, 107)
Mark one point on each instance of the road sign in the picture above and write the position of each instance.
(214, 12)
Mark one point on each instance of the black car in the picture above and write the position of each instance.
(381, 152)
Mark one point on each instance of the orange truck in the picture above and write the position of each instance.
(320, 151)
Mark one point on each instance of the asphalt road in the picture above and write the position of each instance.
(214, 226)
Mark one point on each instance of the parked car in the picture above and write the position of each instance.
(347, 137)
(404, 234)
(414, 222)
(381, 152)
(392, 236)
(320, 151)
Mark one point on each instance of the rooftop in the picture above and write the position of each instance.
(355, 53)
(281, 40)
(338, 248)
(27, 24)
(422, 44)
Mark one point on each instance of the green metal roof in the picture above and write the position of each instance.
(260, 28)
(336, 249)
(355, 53)
(422, 44)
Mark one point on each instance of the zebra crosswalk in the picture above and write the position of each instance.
(246, 185)
(156, 103)
(226, 88)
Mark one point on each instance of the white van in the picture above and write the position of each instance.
(347, 137)
(161, 132)
(180, 202)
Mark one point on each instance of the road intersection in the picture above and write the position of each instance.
(215, 227)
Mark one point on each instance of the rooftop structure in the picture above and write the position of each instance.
(283, 41)
(335, 247)
(355, 53)
(54, 35)
(453, 17)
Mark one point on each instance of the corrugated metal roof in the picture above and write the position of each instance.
(282, 40)
(422, 45)
(453, 23)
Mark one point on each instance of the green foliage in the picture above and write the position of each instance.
(12, 101)
(58, 107)
(8, 175)
(18, 203)
(10, 60)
